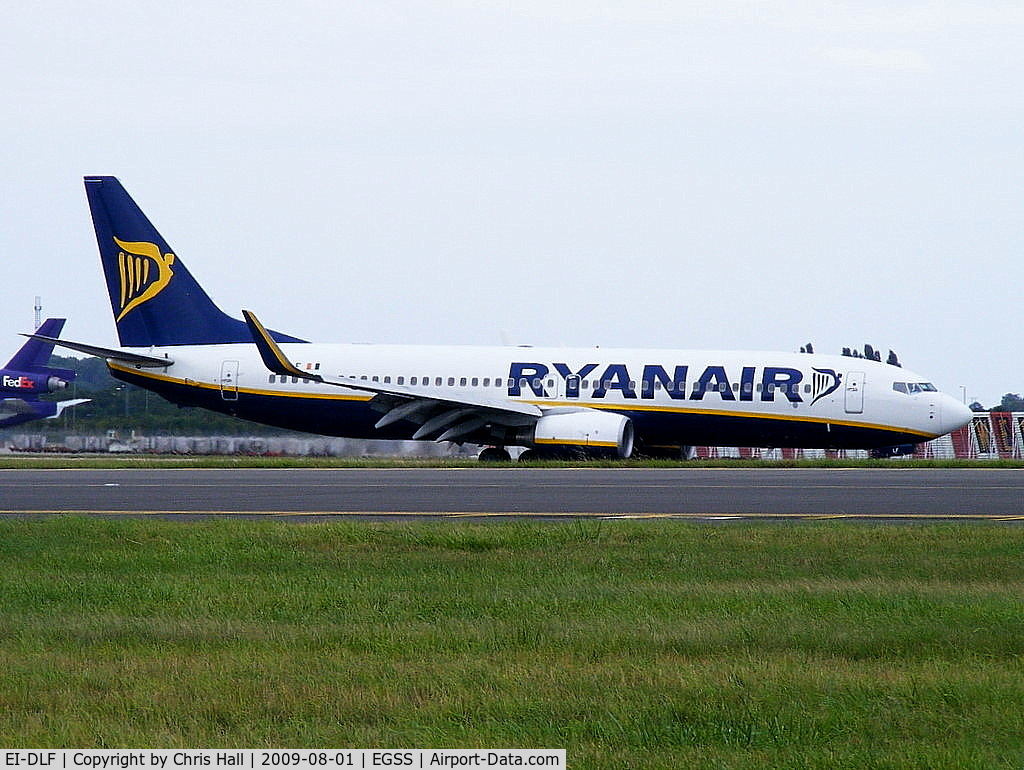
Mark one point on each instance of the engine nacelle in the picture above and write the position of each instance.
(589, 430)
(31, 382)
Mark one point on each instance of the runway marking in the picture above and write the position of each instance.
(523, 514)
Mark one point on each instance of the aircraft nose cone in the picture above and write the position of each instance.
(953, 415)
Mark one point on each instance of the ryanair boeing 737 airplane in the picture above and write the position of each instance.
(178, 343)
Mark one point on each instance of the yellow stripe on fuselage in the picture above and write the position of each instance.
(250, 391)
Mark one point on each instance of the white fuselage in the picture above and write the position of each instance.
(673, 397)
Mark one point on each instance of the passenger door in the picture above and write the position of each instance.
(854, 392)
(229, 380)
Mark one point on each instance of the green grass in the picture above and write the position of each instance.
(659, 644)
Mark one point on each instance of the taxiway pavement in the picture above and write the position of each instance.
(896, 493)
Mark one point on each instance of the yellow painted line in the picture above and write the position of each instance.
(521, 514)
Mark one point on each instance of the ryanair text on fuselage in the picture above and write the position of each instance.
(753, 383)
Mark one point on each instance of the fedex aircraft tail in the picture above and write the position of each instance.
(155, 299)
(34, 355)
(29, 375)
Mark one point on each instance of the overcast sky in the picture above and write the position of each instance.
(750, 175)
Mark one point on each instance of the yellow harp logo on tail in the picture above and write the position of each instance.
(144, 271)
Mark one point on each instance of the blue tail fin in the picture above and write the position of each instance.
(34, 356)
(155, 299)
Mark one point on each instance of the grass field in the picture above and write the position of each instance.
(655, 644)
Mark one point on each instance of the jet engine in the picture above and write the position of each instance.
(588, 429)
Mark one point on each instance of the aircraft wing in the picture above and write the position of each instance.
(125, 356)
(450, 417)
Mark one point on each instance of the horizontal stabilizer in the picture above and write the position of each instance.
(62, 405)
(134, 359)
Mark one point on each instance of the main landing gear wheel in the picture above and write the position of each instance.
(494, 454)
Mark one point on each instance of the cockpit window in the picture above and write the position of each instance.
(911, 388)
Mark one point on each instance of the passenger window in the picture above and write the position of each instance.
(487, 382)
(401, 381)
(462, 382)
(451, 382)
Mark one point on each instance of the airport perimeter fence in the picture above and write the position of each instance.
(251, 446)
(990, 435)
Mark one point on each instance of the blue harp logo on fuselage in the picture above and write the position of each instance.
(144, 273)
(824, 382)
